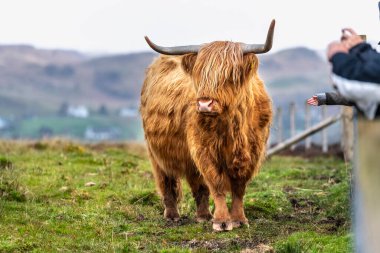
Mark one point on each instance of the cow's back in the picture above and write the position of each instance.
(165, 105)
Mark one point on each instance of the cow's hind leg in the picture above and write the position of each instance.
(237, 208)
(169, 187)
(201, 194)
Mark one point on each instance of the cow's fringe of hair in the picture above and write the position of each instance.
(218, 63)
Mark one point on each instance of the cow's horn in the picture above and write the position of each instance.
(173, 50)
(261, 48)
(247, 48)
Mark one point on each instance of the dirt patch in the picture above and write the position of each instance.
(146, 198)
(288, 189)
(253, 245)
(314, 151)
(306, 210)
(261, 248)
(184, 220)
(300, 203)
(333, 224)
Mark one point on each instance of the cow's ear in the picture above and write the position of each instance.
(188, 62)
(251, 64)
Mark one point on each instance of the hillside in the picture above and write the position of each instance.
(294, 74)
(37, 81)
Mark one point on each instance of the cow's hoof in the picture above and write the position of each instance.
(171, 215)
(203, 218)
(173, 219)
(222, 226)
(238, 224)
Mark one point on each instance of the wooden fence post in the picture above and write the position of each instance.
(279, 124)
(347, 139)
(367, 186)
(307, 126)
(292, 110)
(325, 142)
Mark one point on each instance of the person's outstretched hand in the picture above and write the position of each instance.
(313, 101)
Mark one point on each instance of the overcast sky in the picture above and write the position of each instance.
(116, 26)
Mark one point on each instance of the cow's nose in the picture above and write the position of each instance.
(205, 105)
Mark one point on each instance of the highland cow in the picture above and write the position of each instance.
(206, 116)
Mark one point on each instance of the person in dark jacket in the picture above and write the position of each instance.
(355, 74)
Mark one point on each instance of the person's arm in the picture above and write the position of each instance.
(329, 98)
(333, 98)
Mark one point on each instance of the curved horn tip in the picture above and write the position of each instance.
(147, 40)
(269, 40)
(262, 48)
(273, 22)
(271, 27)
(151, 44)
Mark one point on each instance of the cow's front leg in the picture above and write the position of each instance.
(222, 220)
(215, 179)
(237, 208)
(218, 184)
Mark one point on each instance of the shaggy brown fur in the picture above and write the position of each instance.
(217, 153)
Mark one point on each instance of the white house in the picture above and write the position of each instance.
(101, 134)
(128, 112)
(79, 111)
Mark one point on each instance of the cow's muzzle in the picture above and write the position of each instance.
(207, 106)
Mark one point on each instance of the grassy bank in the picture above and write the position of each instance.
(64, 197)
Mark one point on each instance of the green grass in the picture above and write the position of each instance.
(294, 205)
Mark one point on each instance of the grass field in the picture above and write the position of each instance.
(64, 197)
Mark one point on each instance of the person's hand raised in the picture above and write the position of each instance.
(350, 38)
(336, 47)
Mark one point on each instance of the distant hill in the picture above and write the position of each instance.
(119, 76)
(294, 74)
(38, 81)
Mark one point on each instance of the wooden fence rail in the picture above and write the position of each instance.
(301, 136)
(347, 133)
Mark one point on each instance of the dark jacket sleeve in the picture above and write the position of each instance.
(332, 98)
(336, 99)
(362, 63)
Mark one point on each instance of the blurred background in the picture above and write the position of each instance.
(74, 69)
